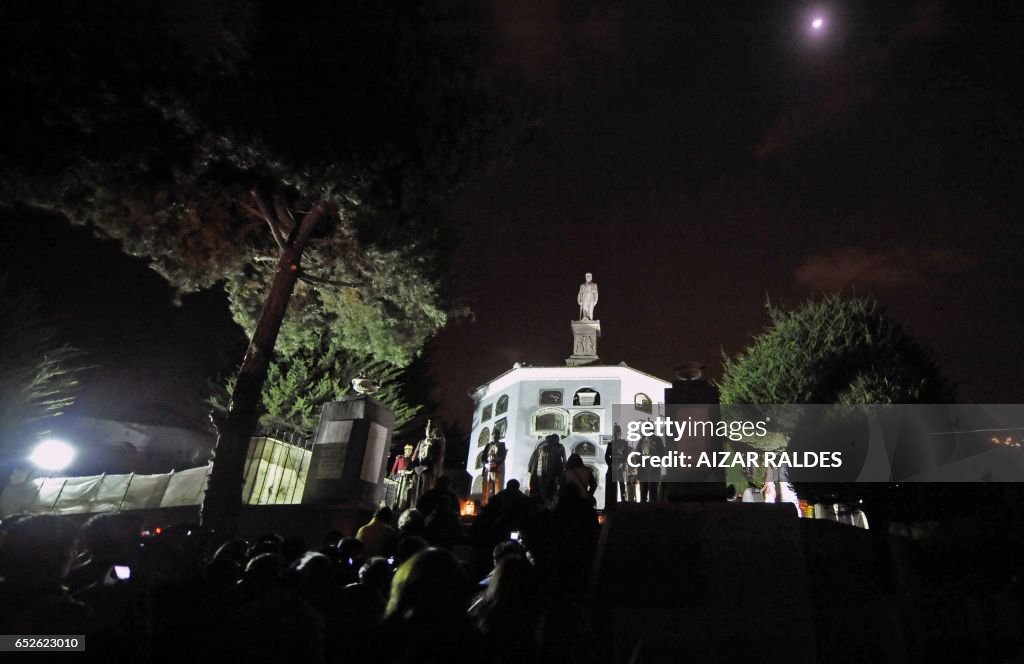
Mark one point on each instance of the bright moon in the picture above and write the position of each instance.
(818, 23)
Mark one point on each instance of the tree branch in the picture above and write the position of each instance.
(284, 215)
(309, 222)
(320, 281)
(251, 210)
(274, 230)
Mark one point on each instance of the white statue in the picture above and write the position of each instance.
(587, 298)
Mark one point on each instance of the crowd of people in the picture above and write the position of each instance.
(516, 585)
(414, 587)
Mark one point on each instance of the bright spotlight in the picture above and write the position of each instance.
(818, 23)
(52, 454)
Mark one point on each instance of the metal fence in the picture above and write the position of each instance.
(391, 488)
(276, 467)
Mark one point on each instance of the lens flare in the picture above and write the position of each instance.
(52, 454)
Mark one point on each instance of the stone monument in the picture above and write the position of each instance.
(349, 455)
(694, 397)
(586, 330)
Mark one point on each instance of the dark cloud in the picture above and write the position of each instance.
(858, 268)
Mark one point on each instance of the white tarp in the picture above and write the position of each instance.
(49, 491)
(186, 487)
(102, 493)
(145, 492)
(18, 496)
(110, 493)
(76, 495)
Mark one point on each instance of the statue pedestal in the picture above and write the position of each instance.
(350, 453)
(584, 343)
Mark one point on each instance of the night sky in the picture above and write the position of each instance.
(698, 158)
(703, 160)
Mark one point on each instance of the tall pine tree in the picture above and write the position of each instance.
(276, 149)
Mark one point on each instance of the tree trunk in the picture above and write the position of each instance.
(223, 499)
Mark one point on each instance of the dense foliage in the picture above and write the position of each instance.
(154, 124)
(834, 350)
(315, 371)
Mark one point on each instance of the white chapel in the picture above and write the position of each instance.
(579, 401)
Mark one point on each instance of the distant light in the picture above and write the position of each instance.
(818, 23)
(52, 454)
